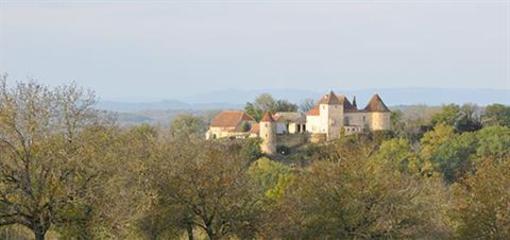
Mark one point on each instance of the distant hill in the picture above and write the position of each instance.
(236, 99)
(119, 106)
(391, 96)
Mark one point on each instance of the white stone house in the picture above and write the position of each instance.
(328, 119)
(290, 122)
(335, 114)
(230, 124)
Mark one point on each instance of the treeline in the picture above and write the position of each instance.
(68, 171)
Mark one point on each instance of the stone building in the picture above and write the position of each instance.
(332, 116)
(290, 122)
(335, 114)
(267, 132)
(230, 124)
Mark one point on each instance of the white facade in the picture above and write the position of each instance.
(332, 116)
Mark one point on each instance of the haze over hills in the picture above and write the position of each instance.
(235, 98)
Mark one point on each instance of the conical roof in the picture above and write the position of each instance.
(348, 107)
(376, 104)
(267, 118)
(329, 99)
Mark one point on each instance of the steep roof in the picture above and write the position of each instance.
(230, 119)
(255, 128)
(329, 99)
(348, 106)
(333, 99)
(376, 104)
(315, 111)
(267, 117)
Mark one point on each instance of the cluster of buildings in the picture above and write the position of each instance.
(332, 116)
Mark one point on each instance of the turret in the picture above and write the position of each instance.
(268, 134)
(354, 104)
(331, 115)
(378, 113)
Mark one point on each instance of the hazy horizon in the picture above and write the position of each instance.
(174, 50)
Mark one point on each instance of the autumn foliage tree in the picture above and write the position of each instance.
(47, 166)
(206, 186)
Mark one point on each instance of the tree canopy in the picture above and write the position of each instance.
(266, 103)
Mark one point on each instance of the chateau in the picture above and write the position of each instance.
(332, 116)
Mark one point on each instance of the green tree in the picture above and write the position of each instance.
(468, 119)
(397, 154)
(493, 142)
(187, 126)
(250, 149)
(266, 103)
(454, 157)
(271, 176)
(447, 116)
(496, 114)
(354, 199)
(463, 118)
(481, 202)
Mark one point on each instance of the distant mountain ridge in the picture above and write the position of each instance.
(119, 106)
(235, 98)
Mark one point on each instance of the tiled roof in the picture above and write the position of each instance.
(329, 99)
(348, 107)
(267, 118)
(230, 119)
(333, 99)
(255, 128)
(315, 111)
(376, 104)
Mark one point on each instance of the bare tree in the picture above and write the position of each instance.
(306, 105)
(44, 165)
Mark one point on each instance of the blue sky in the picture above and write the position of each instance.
(173, 49)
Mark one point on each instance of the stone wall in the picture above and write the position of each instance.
(291, 140)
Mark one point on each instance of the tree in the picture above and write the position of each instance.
(447, 116)
(47, 164)
(272, 177)
(496, 114)
(354, 199)
(429, 144)
(209, 184)
(481, 207)
(187, 126)
(493, 143)
(454, 157)
(463, 119)
(250, 149)
(306, 105)
(266, 103)
(468, 119)
(397, 154)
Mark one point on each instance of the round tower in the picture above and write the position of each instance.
(267, 133)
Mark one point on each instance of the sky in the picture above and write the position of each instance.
(173, 49)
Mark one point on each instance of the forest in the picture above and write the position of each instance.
(70, 171)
